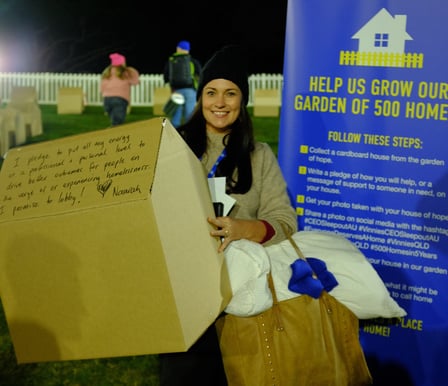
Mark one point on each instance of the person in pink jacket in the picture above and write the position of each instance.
(116, 82)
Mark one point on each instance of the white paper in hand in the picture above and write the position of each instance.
(217, 187)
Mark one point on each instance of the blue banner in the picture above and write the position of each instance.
(363, 137)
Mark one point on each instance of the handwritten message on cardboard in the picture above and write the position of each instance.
(98, 168)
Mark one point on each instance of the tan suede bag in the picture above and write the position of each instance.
(301, 341)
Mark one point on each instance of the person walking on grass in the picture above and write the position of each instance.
(116, 82)
(181, 72)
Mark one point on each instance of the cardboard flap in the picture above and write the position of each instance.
(191, 254)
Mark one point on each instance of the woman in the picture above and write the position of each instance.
(116, 82)
(220, 133)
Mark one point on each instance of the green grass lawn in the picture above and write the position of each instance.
(126, 371)
(93, 118)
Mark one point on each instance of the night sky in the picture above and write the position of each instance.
(76, 36)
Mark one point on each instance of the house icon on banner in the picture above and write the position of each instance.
(381, 43)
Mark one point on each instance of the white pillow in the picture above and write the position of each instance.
(360, 287)
(248, 265)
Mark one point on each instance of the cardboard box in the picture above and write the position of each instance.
(266, 103)
(12, 129)
(161, 97)
(7, 132)
(25, 100)
(104, 245)
(70, 100)
(24, 94)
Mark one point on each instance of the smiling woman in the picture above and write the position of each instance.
(220, 133)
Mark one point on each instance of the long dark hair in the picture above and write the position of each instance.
(239, 143)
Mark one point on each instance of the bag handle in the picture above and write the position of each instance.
(296, 248)
(291, 240)
(299, 253)
(275, 303)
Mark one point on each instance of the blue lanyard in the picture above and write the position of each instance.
(212, 171)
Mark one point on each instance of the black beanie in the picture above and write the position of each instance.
(227, 63)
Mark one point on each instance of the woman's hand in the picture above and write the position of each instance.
(229, 229)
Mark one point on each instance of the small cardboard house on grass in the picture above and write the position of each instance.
(104, 245)
(70, 100)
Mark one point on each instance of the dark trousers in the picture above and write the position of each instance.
(201, 365)
(116, 109)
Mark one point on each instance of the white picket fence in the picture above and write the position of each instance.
(48, 84)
